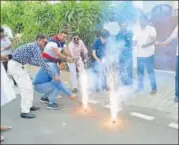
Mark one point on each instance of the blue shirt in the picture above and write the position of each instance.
(31, 54)
(99, 48)
(125, 37)
(42, 76)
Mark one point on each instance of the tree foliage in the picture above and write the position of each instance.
(31, 18)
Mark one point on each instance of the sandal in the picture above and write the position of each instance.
(5, 128)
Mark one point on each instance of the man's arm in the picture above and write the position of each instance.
(4, 58)
(94, 55)
(84, 49)
(38, 61)
(9, 46)
(172, 37)
(59, 54)
(94, 51)
(152, 41)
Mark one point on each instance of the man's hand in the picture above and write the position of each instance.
(70, 60)
(161, 44)
(98, 60)
(144, 46)
(4, 58)
(56, 77)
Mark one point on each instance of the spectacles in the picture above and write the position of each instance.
(76, 38)
(45, 42)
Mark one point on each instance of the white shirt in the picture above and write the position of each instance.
(8, 31)
(4, 43)
(49, 48)
(76, 49)
(142, 36)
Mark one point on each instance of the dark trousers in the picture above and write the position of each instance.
(5, 64)
(176, 78)
(125, 69)
(148, 63)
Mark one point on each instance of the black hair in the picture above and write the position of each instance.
(40, 37)
(143, 16)
(2, 30)
(59, 61)
(75, 34)
(63, 31)
(104, 33)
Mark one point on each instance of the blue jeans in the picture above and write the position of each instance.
(100, 70)
(51, 89)
(125, 69)
(147, 62)
(176, 78)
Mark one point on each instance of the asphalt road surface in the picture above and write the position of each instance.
(72, 125)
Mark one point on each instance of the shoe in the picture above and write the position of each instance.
(59, 97)
(176, 100)
(72, 97)
(53, 106)
(27, 115)
(153, 92)
(97, 90)
(139, 90)
(2, 138)
(75, 90)
(33, 108)
(5, 128)
(44, 100)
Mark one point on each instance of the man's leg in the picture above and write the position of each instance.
(61, 88)
(150, 70)
(129, 71)
(140, 72)
(5, 65)
(45, 89)
(99, 77)
(26, 89)
(123, 71)
(73, 75)
(176, 81)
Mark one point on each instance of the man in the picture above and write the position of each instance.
(28, 54)
(124, 43)
(99, 53)
(6, 49)
(78, 52)
(54, 47)
(145, 39)
(43, 83)
(173, 36)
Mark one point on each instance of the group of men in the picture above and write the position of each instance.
(47, 79)
(52, 54)
(144, 40)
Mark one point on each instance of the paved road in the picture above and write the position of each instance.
(70, 125)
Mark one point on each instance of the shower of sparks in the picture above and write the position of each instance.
(84, 89)
(112, 82)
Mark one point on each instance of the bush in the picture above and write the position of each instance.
(30, 18)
